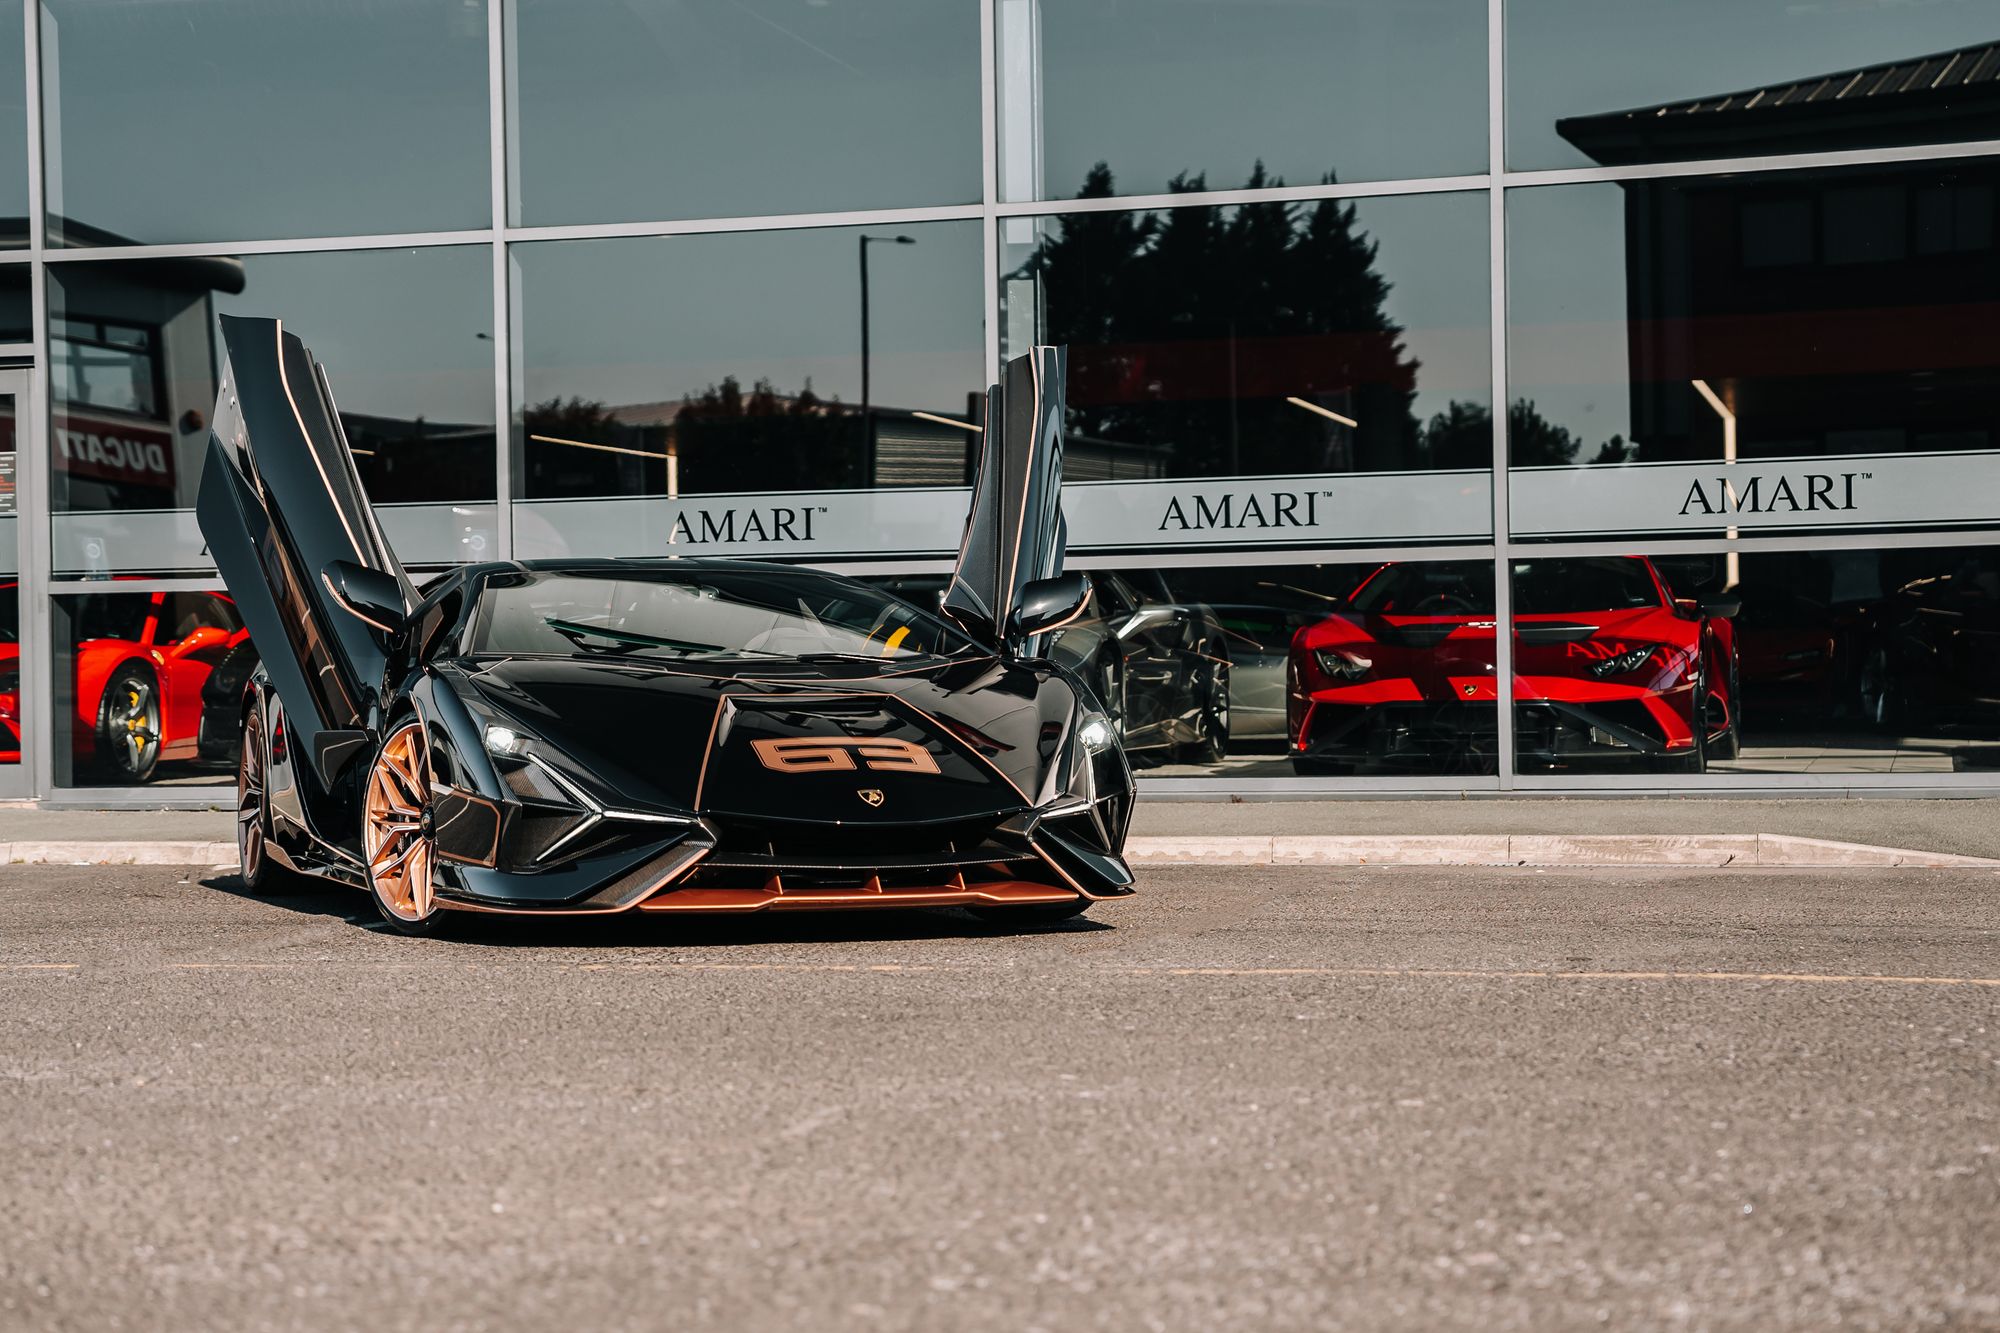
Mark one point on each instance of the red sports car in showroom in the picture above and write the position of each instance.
(141, 662)
(1609, 666)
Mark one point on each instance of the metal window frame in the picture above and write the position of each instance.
(500, 234)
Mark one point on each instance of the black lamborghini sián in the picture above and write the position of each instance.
(671, 735)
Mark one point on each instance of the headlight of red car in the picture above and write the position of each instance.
(1634, 658)
(1340, 664)
(10, 693)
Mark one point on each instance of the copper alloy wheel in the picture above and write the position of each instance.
(396, 827)
(250, 799)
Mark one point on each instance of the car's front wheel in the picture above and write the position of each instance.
(396, 833)
(1211, 742)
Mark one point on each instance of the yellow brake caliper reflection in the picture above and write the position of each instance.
(894, 639)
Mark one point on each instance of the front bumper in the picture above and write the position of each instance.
(725, 866)
(1551, 727)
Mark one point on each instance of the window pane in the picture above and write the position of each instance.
(17, 321)
(656, 109)
(1285, 345)
(149, 686)
(1145, 96)
(1192, 667)
(1860, 662)
(658, 368)
(1620, 81)
(13, 137)
(205, 120)
(1793, 350)
(1396, 674)
(135, 354)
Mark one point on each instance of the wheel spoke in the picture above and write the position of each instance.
(405, 777)
(418, 881)
(391, 855)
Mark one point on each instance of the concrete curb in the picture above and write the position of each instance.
(1640, 849)
(109, 853)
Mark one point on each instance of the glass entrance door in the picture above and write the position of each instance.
(15, 773)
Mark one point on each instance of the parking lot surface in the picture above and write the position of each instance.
(1275, 1097)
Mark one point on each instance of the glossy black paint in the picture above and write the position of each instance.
(622, 771)
(1157, 664)
(279, 502)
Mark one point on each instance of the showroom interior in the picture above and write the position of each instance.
(657, 278)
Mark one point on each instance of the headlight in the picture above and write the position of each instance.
(504, 740)
(1629, 660)
(1097, 733)
(1340, 664)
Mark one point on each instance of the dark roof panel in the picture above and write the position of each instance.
(1945, 97)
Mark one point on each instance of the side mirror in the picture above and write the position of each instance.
(1725, 604)
(369, 595)
(1048, 604)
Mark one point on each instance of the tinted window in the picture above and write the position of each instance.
(1822, 331)
(703, 614)
(1145, 96)
(635, 109)
(1553, 587)
(1437, 589)
(210, 120)
(1266, 339)
(137, 355)
(110, 617)
(1618, 81)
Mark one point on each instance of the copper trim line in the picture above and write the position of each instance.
(285, 381)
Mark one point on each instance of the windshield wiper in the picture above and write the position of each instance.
(622, 640)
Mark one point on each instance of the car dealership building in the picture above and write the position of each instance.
(662, 277)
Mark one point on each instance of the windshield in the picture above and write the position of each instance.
(702, 614)
(1541, 588)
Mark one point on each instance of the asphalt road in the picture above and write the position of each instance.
(1275, 1098)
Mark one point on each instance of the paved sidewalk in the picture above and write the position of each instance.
(1956, 827)
(1655, 831)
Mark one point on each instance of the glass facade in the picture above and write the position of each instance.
(1599, 397)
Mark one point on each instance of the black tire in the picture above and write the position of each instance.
(129, 718)
(1030, 914)
(1728, 743)
(1880, 694)
(1211, 742)
(261, 875)
(222, 705)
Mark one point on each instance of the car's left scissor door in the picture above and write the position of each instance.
(280, 503)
